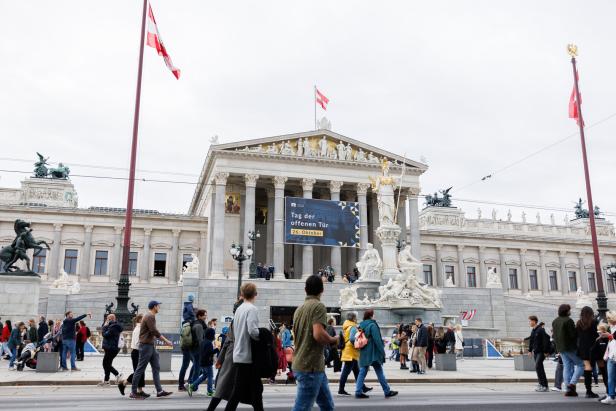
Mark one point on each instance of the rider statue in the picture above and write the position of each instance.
(24, 240)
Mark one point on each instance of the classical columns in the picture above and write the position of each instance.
(482, 267)
(564, 277)
(362, 191)
(461, 280)
(543, 274)
(401, 216)
(144, 266)
(279, 183)
(210, 230)
(440, 274)
(503, 268)
(84, 265)
(117, 253)
(218, 241)
(202, 254)
(173, 261)
(336, 256)
(414, 227)
(583, 277)
(249, 213)
(54, 264)
(269, 247)
(307, 262)
(523, 271)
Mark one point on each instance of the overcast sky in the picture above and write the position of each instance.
(470, 85)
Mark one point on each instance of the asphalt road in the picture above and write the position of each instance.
(433, 397)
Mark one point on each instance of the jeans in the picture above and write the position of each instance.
(346, 371)
(108, 361)
(378, 369)
(13, 351)
(68, 345)
(147, 355)
(205, 373)
(195, 370)
(611, 378)
(311, 387)
(573, 367)
(186, 359)
(134, 357)
(539, 358)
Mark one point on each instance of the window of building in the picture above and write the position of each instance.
(160, 264)
(427, 271)
(572, 281)
(132, 263)
(513, 278)
(471, 277)
(70, 261)
(449, 273)
(611, 285)
(100, 262)
(38, 262)
(186, 258)
(553, 277)
(534, 281)
(592, 282)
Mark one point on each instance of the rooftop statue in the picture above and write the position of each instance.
(24, 240)
(61, 172)
(435, 201)
(40, 167)
(581, 212)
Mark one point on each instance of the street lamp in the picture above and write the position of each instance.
(252, 236)
(239, 255)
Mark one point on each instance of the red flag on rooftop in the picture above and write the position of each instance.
(574, 100)
(155, 41)
(321, 99)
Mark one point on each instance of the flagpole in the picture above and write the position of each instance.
(601, 297)
(315, 107)
(122, 313)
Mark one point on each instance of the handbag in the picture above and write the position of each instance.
(360, 340)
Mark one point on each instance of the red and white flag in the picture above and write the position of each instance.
(573, 103)
(155, 41)
(468, 315)
(321, 99)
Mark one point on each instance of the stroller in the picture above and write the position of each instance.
(30, 352)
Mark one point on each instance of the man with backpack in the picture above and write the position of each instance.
(309, 326)
(189, 339)
(539, 347)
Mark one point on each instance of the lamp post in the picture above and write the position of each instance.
(239, 255)
(252, 236)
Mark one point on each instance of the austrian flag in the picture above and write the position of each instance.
(155, 41)
(321, 99)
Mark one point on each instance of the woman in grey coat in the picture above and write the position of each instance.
(224, 379)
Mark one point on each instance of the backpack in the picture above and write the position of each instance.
(121, 341)
(186, 336)
(264, 354)
(341, 342)
(360, 340)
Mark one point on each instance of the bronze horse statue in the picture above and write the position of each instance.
(24, 241)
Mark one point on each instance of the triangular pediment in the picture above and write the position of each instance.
(318, 144)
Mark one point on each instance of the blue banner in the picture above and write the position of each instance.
(321, 222)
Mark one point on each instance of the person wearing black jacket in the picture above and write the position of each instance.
(111, 331)
(450, 339)
(43, 328)
(206, 358)
(421, 345)
(538, 347)
(68, 339)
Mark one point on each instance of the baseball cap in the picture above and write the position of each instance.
(153, 304)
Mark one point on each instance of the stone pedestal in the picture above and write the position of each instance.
(523, 363)
(445, 362)
(47, 361)
(19, 297)
(57, 302)
(367, 287)
(49, 191)
(389, 235)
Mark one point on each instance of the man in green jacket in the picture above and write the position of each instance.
(565, 337)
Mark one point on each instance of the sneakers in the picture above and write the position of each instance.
(62, 369)
(136, 396)
(12, 368)
(163, 393)
(189, 389)
(391, 394)
(361, 396)
(571, 392)
(590, 394)
(103, 384)
(118, 378)
(541, 389)
(181, 388)
(404, 367)
(556, 389)
(144, 394)
(210, 393)
(609, 401)
(343, 393)
(75, 369)
(367, 389)
(121, 387)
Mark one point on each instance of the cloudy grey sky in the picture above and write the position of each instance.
(471, 85)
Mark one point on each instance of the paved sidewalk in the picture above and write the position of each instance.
(469, 371)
